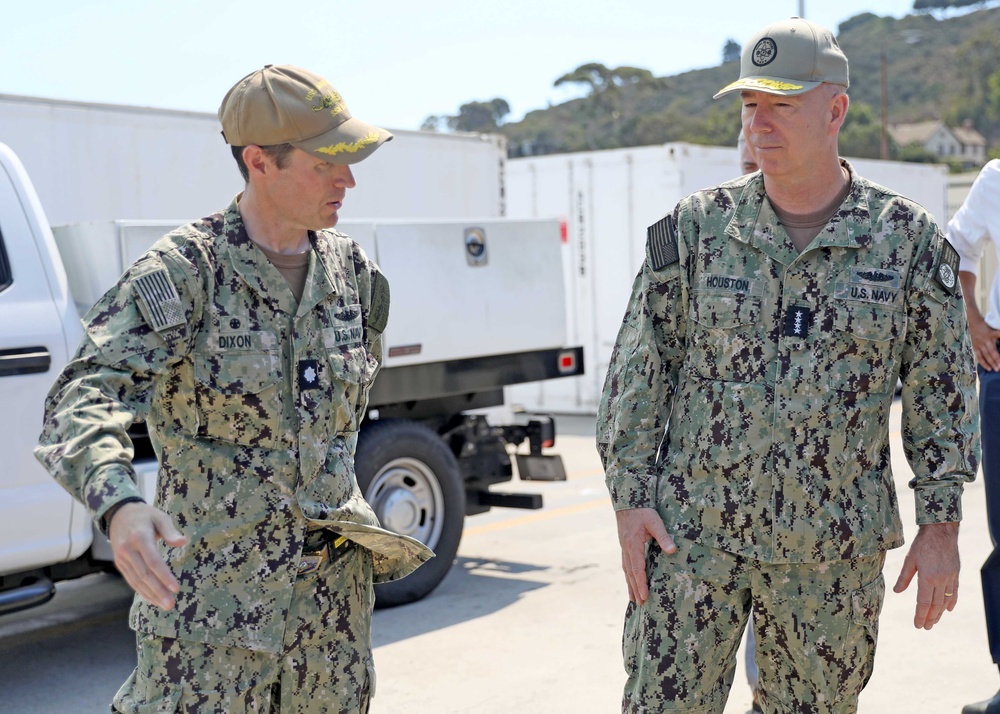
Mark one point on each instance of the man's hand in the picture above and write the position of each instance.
(984, 338)
(984, 343)
(133, 533)
(933, 558)
(636, 527)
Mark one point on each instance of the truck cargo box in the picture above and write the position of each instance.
(460, 289)
(94, 162)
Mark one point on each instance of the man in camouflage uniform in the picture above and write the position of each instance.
(744, 425)
(247, 341)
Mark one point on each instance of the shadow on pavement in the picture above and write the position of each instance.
(71, 654)
(474, 588)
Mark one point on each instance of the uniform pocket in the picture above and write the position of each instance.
(351, 373)
(239, 397)
(724, 340)
(725, 311)
(862, 355)
(866, 605)
(139, 696)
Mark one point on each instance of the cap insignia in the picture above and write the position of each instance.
(332, 101)
(774, 84)
(764, 52)
(350, 147)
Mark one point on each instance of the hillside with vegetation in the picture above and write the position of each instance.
(936, 69)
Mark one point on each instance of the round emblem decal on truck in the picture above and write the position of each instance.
(475, 246)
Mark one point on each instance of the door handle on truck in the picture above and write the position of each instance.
(24, 360)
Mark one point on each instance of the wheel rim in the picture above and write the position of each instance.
(407, 499)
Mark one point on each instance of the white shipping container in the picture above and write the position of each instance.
(99, 162)
(607, 199)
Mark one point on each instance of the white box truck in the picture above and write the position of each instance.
(607, 199)
(92, 162)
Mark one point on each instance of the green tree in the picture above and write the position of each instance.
(917, 154)
(433, 123)
(861, 134)
(731, 51)
(979, 98)
(855, 22)
(610, 107)
(673, 123)
(718, 127)
(599, 78)
(479, 116)
(929, 6)
(594, 75)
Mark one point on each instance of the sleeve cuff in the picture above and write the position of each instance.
(632, 491)
(941, 504)
(107, 488)
(105, 521)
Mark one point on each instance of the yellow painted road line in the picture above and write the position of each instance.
(542, 515)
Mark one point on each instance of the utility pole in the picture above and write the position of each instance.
(802, 9)
(885, 109)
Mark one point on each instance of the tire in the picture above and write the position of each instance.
(412, 481)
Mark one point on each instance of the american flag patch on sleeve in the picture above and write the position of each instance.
(661, 244)
(159, 298)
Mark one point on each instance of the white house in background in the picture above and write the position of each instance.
(963, 143)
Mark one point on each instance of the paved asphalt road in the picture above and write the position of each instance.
(529, 620)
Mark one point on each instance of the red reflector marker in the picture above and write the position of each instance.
(564, 231)
(567, 362)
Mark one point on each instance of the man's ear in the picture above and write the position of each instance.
(256, 160)
(838, 110)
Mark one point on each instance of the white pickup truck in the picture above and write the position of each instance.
(476, 306)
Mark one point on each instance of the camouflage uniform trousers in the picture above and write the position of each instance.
(325, 665)
(816, 626)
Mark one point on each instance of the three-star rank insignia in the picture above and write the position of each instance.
(308, 374)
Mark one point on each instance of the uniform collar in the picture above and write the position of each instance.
(754, 223)
(258, 272)
(320, 283)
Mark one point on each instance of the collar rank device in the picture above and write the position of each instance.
(308, 374)
(797, 321)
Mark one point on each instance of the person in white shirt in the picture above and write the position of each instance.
(976, 224)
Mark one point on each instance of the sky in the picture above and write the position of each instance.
(395, 62)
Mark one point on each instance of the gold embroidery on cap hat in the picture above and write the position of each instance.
(350, 148)
(332, 101)
(770, 83)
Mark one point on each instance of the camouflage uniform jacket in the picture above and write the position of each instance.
(252, 405)
(749, 390)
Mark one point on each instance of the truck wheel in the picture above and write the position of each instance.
(411, 479)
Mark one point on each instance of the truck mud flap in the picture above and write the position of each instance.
(495, 499)
(538, 467)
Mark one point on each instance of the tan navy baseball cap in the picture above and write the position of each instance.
(282, 104)
(790, 57)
